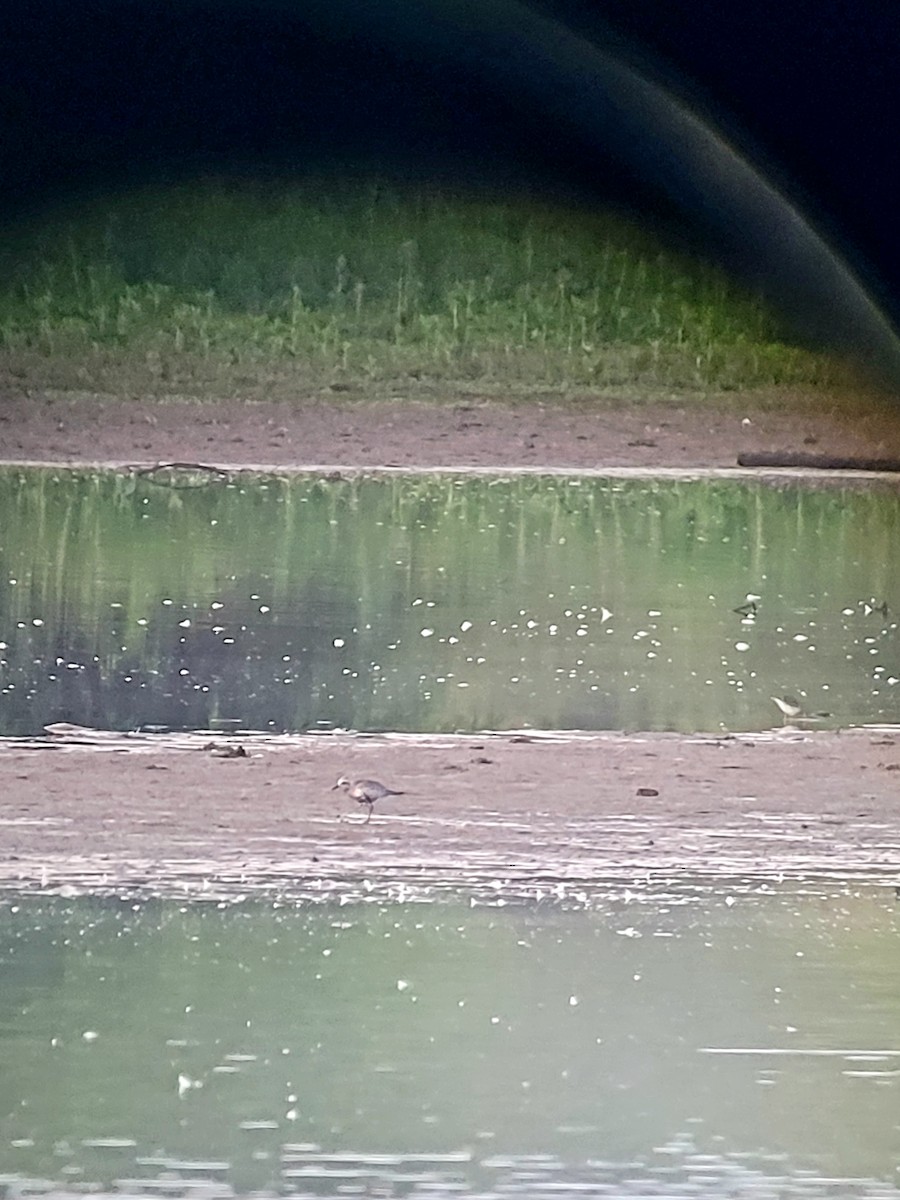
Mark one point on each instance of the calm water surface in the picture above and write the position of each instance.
(664, 1043)
(442, 602)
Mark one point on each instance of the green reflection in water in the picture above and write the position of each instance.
(240, 1042)
(442, 602)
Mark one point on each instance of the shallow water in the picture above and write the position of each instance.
(704, 1042)
(442, 602)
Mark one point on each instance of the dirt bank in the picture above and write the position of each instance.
(578, 433)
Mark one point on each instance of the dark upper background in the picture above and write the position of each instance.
(103, 92)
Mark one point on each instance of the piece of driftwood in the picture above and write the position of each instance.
(822, 462)
(212, 474)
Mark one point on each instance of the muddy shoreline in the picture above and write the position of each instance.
(469, 431)
(499, 818)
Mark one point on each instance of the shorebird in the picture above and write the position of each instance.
(365, 791)
(790, 707)
(746, 610)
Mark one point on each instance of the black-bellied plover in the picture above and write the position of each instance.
(365, 791)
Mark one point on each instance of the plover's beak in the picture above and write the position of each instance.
(335, 786)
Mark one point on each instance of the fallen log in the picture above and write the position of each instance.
(821, 462)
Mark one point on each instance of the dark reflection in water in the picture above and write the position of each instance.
(666, 1043)
(442, 602)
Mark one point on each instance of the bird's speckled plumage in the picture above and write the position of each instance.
(365, 791)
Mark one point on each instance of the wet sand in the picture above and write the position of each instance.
(493, 818)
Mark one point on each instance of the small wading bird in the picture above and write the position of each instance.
(746, 610)
(789, 706)
(365, 791)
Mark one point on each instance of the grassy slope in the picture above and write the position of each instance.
(216, 287)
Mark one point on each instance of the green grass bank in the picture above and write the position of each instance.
(370, 286)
